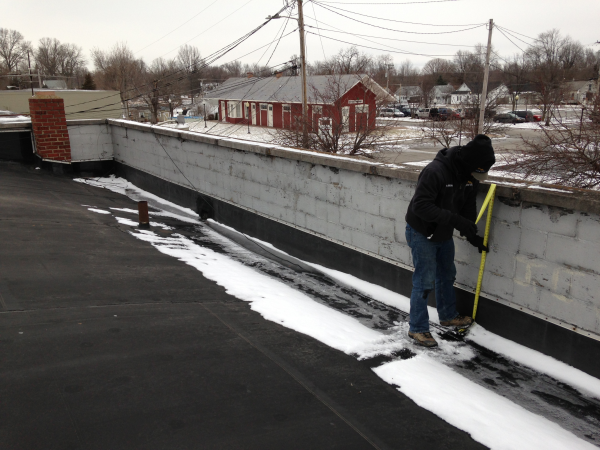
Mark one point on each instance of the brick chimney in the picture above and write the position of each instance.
(278, 75)
(250, 74)
(49, 125)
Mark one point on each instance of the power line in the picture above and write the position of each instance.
(502, 32)
(512, 35)
(390, 39)
(520, 34)
(392, 3)
(402, 21)
(211, 27)
(398, 31)
(403, 52)
(175, 29)
(213, 57)
(206, 63)
(318, 29)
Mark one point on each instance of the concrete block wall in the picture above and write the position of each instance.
(91, 140)
(544, 258)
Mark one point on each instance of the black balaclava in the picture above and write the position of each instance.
(475, 159)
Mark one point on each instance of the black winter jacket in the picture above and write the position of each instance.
(442, 192)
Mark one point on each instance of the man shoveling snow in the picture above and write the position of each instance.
(444, 200)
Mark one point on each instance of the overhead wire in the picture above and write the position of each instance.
(209, 28)
(319, 29)
(392, 29)
(511, 41)
(392, 3)
(175, 29)
(206, 61)
(403, 21)
(508, 32)
(520, 34)
(402, 52)
(391, 39)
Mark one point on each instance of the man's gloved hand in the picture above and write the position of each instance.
(464, 226)
(477, 241)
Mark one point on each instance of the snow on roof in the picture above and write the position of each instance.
(577, 85)
(287, 89)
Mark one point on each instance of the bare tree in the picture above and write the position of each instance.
(13, 49)
(407, 73)
(48, 56)
(166, 87)
(119, 70)
(190, 63)
(444, 132)
(547, 69)
(57, 59)
(567, 154)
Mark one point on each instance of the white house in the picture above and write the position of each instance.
(580, 91)
(441, 94)
(409, 94)
(470, 93)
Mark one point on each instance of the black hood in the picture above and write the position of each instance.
(476, 156)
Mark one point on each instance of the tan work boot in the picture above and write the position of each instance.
(424, 339)
(458, 321)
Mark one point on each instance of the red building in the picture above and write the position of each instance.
(277, 101)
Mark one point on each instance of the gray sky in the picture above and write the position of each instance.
(101, 24)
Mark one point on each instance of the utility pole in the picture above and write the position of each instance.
(303, 63)
(387, 76)
(154, 103)
(486, 75)
(30, 77)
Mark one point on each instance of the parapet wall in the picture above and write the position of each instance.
(545, 242)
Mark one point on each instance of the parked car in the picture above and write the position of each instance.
(473, 113)
(446, 114)
(405, 112)
(433, 113)
(525, 114)
(508, 118)
(423, 113)
(390, 112)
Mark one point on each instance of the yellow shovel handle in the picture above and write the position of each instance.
(489, 203)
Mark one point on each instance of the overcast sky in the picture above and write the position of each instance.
(150, 27)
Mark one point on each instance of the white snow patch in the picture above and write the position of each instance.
(536, 360)
(489, 418)
(535, 186)
(125, 221)
(275, 301)
(99, 211)
(122, 186)
(131, 223)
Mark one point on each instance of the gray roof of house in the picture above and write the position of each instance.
(443, 89)
(286, 89)
(56, 84)
(577, 85)
(409, 90)
(477, 86)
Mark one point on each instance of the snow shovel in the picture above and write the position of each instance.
(489, 204)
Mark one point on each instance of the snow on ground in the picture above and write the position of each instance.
(490, 418)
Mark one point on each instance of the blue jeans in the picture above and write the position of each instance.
(434, 268)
